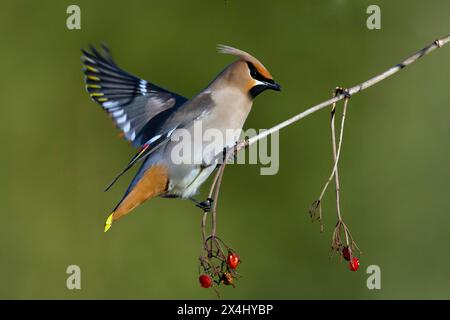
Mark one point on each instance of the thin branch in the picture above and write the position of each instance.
(352, 91)
(216, 197)
(336, 170)
(339, 148)
(335, 159)
(217, 184)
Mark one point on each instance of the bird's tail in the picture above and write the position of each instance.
(153, 183)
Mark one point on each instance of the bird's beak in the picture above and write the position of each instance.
(260, 86)
(273, 86)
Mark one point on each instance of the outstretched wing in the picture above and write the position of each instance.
(170, 121)
(136, 106)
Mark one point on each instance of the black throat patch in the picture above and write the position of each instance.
(256, 90)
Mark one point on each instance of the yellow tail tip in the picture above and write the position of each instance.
(108, 222)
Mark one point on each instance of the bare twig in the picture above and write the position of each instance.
(336, 244)
(352, 91)
(215, 188)
(335, 160)
(316, 208)
(337, 156)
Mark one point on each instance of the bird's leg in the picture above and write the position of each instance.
(224, 155)
(205, 205)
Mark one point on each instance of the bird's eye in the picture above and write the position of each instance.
(253, 72)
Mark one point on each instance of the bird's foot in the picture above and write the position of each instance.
(344, 91)
(205, 205)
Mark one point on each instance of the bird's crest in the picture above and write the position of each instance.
(245, 56)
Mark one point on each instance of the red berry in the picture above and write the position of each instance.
(346, 253)
(354, 264)
(205, 281)
(232, 260)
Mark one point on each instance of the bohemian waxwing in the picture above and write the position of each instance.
(150, 116)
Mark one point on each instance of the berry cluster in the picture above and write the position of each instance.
(225, 274)
(353, 262)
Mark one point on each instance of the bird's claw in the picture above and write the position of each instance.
(344, 91)
(205, 205)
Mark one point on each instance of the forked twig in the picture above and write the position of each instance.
(316, 208)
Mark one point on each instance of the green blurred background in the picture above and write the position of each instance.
(60, 150)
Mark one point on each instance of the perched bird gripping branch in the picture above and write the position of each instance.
(150, 116)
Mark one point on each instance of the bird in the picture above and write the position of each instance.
(149, 116)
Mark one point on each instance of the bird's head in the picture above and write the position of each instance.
(248, 73)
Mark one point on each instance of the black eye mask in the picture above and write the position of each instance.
(256, 90)
(256, 75)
